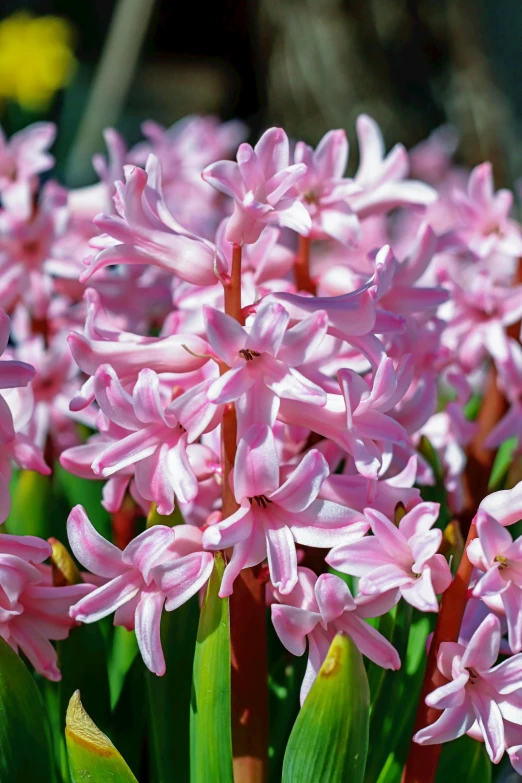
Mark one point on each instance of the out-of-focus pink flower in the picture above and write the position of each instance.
(403, 559)
(261, 185)
(145, 232)
(478, 313)
(25, 245)
(381, 177)
(324, 191)
(484, 226)
(163, 566)
(32, 610)
(274, 514)
(477, 692)
(320, 607)
(495, 553)
(262, 359)
(21, 158)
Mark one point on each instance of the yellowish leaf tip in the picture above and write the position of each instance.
(82, 730)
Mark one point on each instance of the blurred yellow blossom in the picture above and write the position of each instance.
(36, 58)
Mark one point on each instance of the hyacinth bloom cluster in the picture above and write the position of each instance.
(158, 340)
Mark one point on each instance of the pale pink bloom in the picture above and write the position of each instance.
(183, 151)
(484, 225)
(381, 177)
(477, 692)
(128, 353)
(324, 190)
(402, 559)
(21, 158)
(12, 374)
(145, 232)
(85, 203)
(261, 185)
(431, 159)
(162, 567)
(25, 245)
(478, 313)
(383, 495)
(316, 610)
(153, 440)
(358, 420)
(274, 514)
(262, 358)
(32, 610)
(504, 506)
(495, 553)
(402, 294)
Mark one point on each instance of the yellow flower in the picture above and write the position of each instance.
(36, 58)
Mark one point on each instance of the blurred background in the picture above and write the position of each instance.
(309, 65)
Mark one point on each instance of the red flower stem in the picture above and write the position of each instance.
(303, 280)
(422, 761)
(247, 607)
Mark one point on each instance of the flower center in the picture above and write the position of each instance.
(472, 675)
(248, 354)
(503, 562)
(261, 500)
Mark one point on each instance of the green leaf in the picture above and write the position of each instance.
(464, 759)
(31, 495)
(129, 719)
(502, 463)
(92, 756)
(391, 731)
(88, 493)
(25, 735)
(210, 710)
(168, 719)
(329, 741)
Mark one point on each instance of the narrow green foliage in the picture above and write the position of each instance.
(329, 741)
(502, 464)
(31, 496)
(92, 756)
(464, 759)
(210, 711)
(168, 719)
(26, 752)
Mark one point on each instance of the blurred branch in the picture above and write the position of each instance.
(111, 83)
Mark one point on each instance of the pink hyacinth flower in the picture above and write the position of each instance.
(381, 177)
(275, 514)
(402, 559)
(504, 506)
(152, 439)
(32, 610)
(324, 191)
(500, 558)
(145, 232)
(163, 566)
(477, 691)
(320, 607)
(261, 185)
(21, 158)
(262, 359)
(358, 420)
(12, 374)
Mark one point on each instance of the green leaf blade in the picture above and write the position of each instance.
(25, 735)
(210, 709)
(329, 741)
